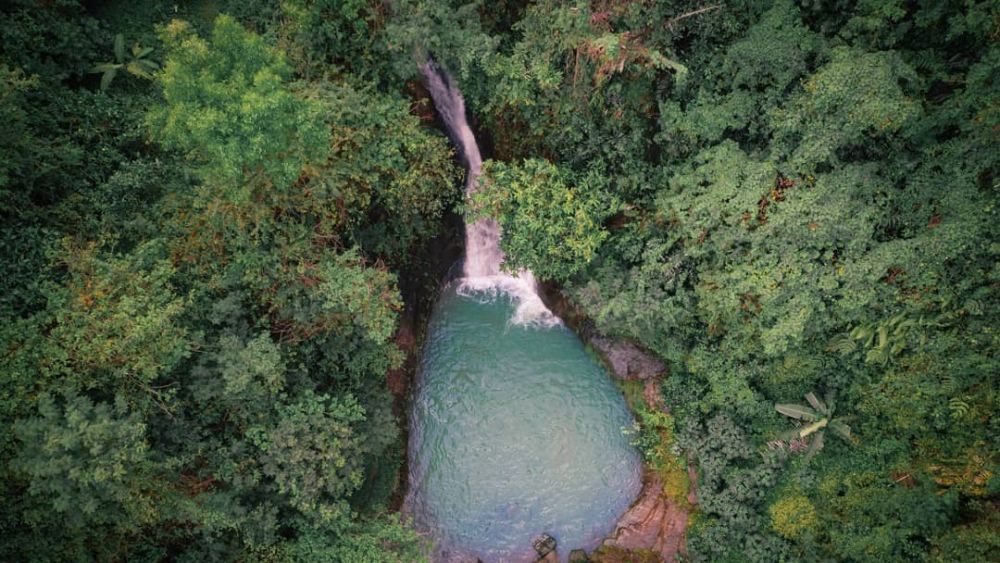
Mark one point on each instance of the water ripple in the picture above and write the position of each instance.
(515, 431)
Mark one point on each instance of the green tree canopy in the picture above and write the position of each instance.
(228, 107)
(549, 225)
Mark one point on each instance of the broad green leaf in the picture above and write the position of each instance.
(119, 48)
(149, 65)
(842, 430)
(136, 69)
(104, 67)
(797, 411)
(816, 403)
(107, 78)
(815, 446)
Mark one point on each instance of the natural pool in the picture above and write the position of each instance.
(515, 431)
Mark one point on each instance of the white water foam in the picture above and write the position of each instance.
(529, 309)
(483, 275)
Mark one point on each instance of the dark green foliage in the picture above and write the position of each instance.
(137, 62)
(311, 454)
(199, 298)
(199, 321)
(734, 483)
(16, 140)
(88, 464)
(807, 200)
(391, 178)
(227, 107)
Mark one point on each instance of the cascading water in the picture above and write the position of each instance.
(515, 430)
(483, 256)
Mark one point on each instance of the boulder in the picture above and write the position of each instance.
(653, 523)
(627, 360)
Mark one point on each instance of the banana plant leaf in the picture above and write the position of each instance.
(842, 430)
(796, 411)
(120, 48)
(104, 67)
(136, 69)
(815, 446)
(816, 403)
(108, 77)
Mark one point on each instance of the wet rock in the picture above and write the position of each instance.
(627, 360)
(653, 523)
(544, 545)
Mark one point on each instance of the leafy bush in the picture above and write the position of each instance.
(549, 225)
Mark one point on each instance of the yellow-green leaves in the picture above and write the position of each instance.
(793, 516)
(855, 98)
(229, 107)
(118, 321)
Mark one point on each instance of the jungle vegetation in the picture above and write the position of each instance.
(209, 210)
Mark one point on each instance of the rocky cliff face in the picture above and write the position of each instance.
(654, 523)
(627, 360)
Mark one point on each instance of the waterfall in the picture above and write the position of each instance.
(483, 256)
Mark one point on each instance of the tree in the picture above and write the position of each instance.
(228, 106)
(819, 417)
(549, 226)
(88, 464)
(311, 454)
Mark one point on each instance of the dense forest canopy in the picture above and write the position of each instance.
(209, 209)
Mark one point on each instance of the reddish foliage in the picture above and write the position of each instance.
(903, 478)
(762, 210)
(893, 273)
(195, 486)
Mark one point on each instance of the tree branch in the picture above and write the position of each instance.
(691, 14)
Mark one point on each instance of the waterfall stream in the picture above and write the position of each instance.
(515, 430)
(482, 273)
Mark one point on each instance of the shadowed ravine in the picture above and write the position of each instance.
(515, 429)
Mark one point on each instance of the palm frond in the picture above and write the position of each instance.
(119, 48)
(799, 412)
(107, 78)
(815, 446)
(842, 430)
(816, 403)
